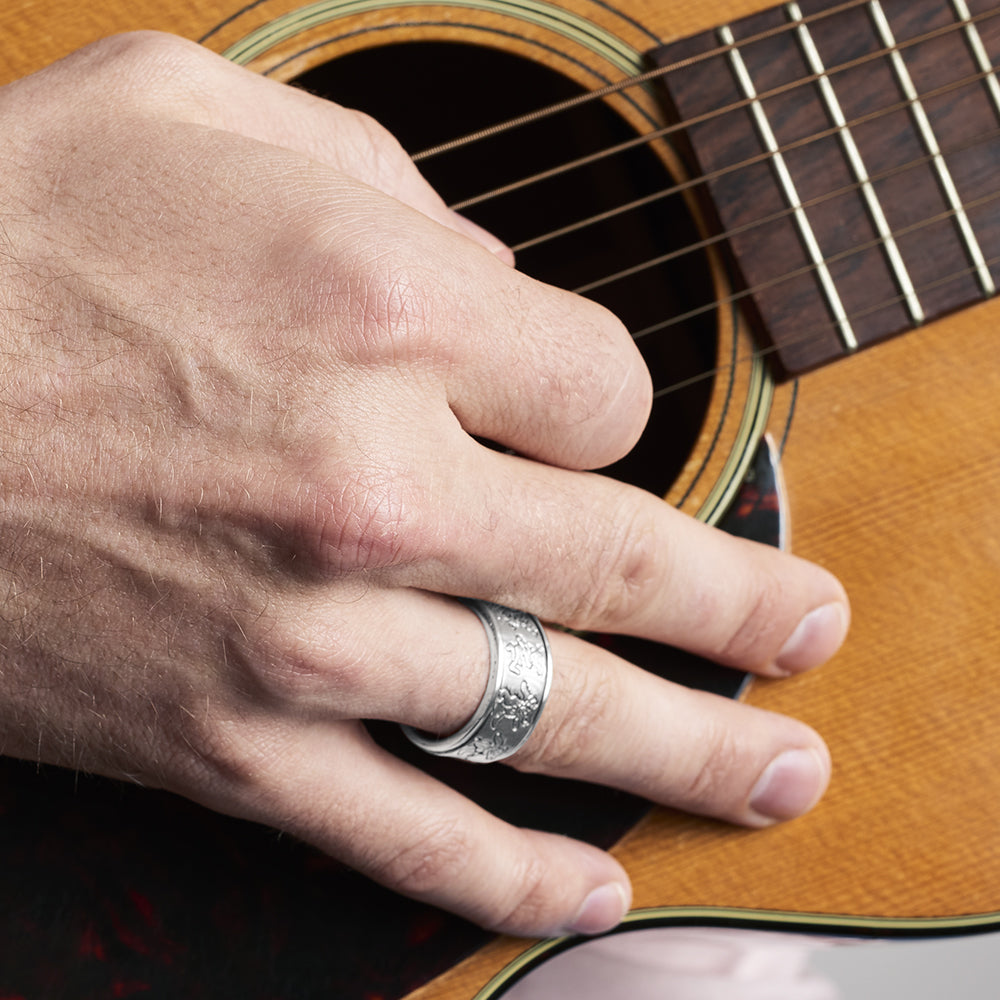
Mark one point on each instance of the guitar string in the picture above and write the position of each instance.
(621, 85)
(760, 158)
(747, 227)
(807, 334)
(719, 51)
(666, 131)
(899, 299)
(811, 268)
(804, 336)
(805, 269)
(645, 139)
(764, 157)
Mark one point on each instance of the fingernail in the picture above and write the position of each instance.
(791, 784)
(484, 238)
(815, 639)
(602, 910)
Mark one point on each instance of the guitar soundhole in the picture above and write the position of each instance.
(428, 93)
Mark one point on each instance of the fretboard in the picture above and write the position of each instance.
(851, 152)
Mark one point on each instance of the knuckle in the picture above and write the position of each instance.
(303, 650)
(375, 149)
(219, 748)
(368, 519)
(145, 70)
(136, 56)
(144, 46)
(711, 776)
(753, 637)
(387, 300)
(393, 303)
(297, 662)
(434, 856)
(624, 566)
(394, 309)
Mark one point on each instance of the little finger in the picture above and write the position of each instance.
(333, 787)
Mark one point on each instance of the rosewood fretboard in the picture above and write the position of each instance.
(852, 153)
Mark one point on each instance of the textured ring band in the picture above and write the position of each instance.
(519, 681)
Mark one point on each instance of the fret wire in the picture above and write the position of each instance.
(608, 90)
(790, 191)
(654, 74)
(668, 130)
(975, 40)
(747, 227)
(806, 334)
(854, 158)
(809, 268)
(930, 142)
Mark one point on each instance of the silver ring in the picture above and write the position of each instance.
(519, 681)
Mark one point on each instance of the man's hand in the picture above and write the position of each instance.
(247, 356)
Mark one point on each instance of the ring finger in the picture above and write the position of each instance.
(605, 721)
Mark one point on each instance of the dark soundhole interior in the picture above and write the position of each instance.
(429, 93)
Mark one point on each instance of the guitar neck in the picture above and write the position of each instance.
(863, 136)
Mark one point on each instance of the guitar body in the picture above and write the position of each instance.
(892, 470)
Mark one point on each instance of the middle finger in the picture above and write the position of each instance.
(595, 554)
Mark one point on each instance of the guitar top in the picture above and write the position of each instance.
(851, 313)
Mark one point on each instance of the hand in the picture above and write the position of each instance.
(247, 353)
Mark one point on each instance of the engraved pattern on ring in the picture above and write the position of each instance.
(520, 675)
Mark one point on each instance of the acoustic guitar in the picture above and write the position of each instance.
(796, 210)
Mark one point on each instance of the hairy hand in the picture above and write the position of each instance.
(247, 358)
